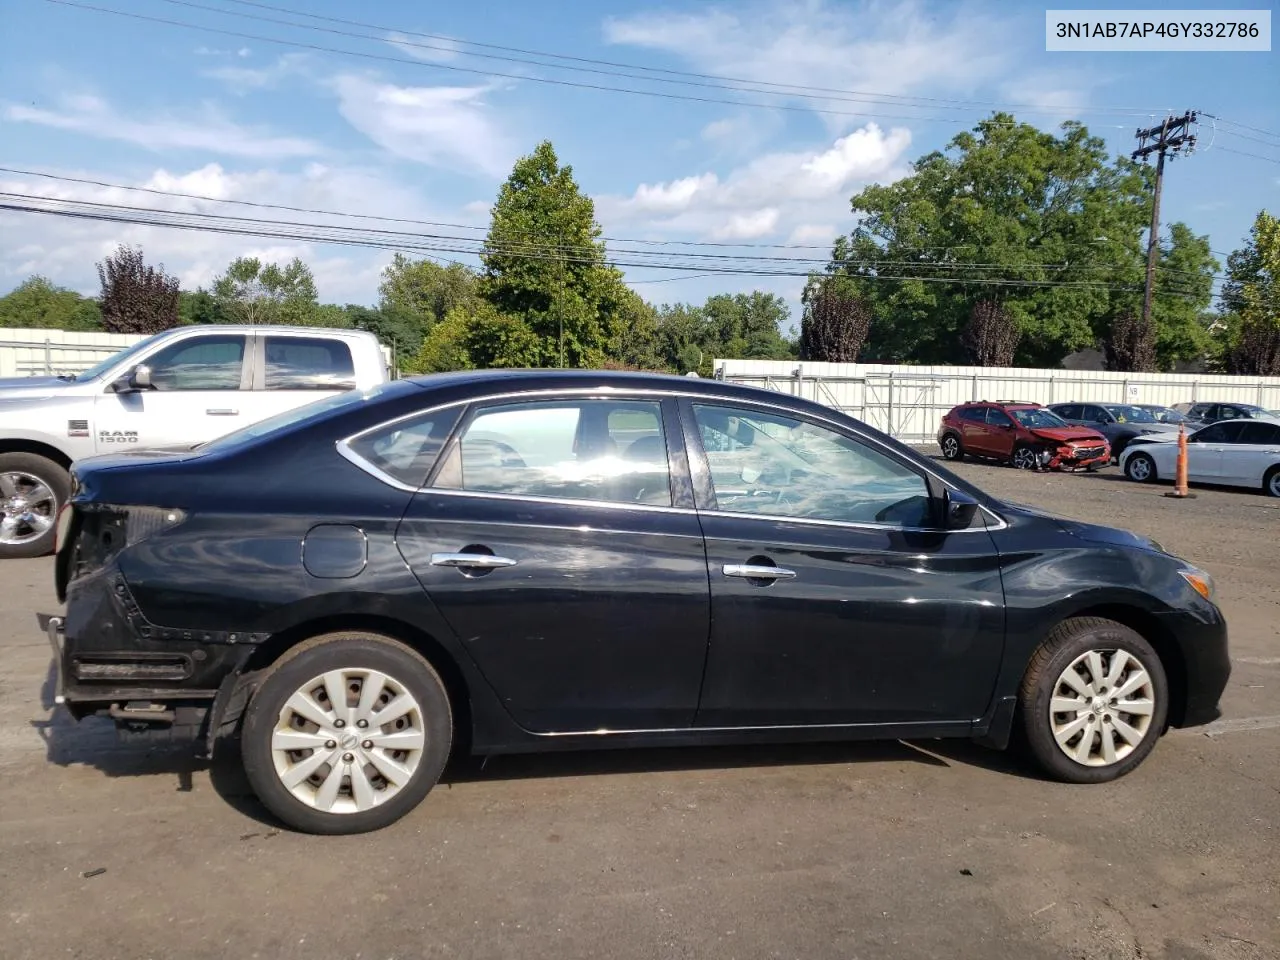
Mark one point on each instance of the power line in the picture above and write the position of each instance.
(278, 230)
(1244, 153)
(451, 45)
(513, 76)
(1243, 126)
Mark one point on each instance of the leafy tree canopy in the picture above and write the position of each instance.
(40, 304)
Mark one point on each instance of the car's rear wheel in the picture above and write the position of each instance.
(1024, 458)
(1271, 482)
(951, 448)
(1093, 701)
(32, 488)
(1140, 468)
(347, 733)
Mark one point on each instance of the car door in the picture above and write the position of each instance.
(832, 602)
(295, 369)
(1096, 418)
(558, 539)
(1205, 450)
(973, 426)
(198, 385)
(1254, 450)
(1001, 433)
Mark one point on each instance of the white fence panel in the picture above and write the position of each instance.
(26, 352)
(909, 401)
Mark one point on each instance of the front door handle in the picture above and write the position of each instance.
(472, 561)
(222, 412)
(757, 571)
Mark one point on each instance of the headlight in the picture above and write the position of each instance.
(1200, 581)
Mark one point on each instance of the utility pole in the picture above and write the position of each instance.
(1172, 136)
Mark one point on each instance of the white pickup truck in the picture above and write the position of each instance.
(178, 388)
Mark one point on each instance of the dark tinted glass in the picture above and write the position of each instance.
(974, 414)
(407, 449)
(1257, 432)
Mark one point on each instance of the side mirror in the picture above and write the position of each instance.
(958, 510)
(140, 379)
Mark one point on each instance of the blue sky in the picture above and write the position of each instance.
(415, 128)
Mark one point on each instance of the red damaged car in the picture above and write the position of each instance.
(1023, 434)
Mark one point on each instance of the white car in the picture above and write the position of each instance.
(1238, 453)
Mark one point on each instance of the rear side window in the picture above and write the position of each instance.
(974, 414)
(610, 450)
(203, 363)
(406, 450)
(1262, 433)
(308, 363)
(1067, 411)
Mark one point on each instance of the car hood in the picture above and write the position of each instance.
(1092, 532)
(31, 388)
(1065, 434)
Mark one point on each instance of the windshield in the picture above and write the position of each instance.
(102, 366)
(1129, 414)
(1034, 418)
(1166, 415)
(282, 421)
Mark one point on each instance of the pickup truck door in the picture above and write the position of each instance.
(290, 370)
(198, 388)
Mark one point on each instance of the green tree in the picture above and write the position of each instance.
(639, 342)
(1047, 225)
(251, 291)
(747, 325)
(136, 298)
(413, 296)
(544, 263)
(1251, 295)
(38, 303)
(199, 306)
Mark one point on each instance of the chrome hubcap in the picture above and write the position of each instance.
(950, 447)
(1101, 707)
(348, 740)
(1024, 459)
(28, 507)
(1139, 469)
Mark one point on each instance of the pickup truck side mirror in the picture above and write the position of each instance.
(958, 510)
(137, 379)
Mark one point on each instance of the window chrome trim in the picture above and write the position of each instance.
(606, 392)
(565, 501)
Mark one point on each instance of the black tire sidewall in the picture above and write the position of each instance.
(332, 652)
(1035, 719)
(1140, 456)
(57, 479)
(1267, 480)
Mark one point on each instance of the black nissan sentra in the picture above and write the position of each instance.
(533, 560)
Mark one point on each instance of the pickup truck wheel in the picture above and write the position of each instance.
(347, 733)
(32, 488)
(1093, 701)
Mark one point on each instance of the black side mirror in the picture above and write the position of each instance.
(958, 510)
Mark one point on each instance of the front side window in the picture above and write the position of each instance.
(609, 450)
(1217, 433)
(1068, 412)
(308, 363)
(203, 363)
(763, 463)
(997, 417)
(407, 449)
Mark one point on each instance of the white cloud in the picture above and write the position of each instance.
(245, 79)
(431, 50)
(66, 250)
(203, 129)
(774, 192)
(443, 126)
(893, 49)
(823, 234)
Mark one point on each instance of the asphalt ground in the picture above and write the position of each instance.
(937, 849)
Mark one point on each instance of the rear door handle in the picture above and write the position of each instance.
(222, 412)
(757, 571)
(473, 561)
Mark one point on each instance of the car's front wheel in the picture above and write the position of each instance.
(1024, 458)
(1271, 482)
(346, 733)
(32, 488)
(1140, 468)
(1093, 701)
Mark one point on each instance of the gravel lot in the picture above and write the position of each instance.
(932, 849)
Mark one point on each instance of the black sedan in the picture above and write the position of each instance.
(520, 560)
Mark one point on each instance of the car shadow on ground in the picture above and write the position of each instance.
(95, 742)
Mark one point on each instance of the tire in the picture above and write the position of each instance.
(1070, 651)
(1024, 458)
(1271, 482)
(359, 785)
(32, 489)
(1141, 468)
(952, 449)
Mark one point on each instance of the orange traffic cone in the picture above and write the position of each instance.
(1180, 480)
